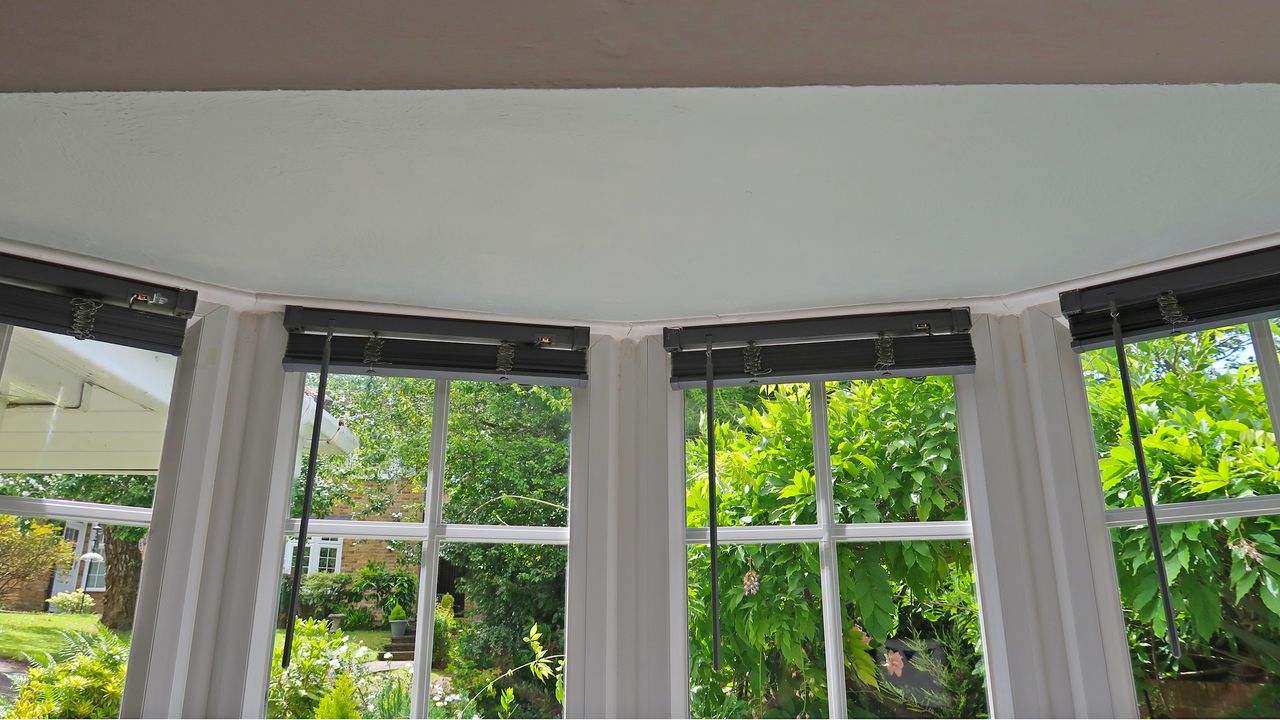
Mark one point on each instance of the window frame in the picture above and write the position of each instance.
(827, 534)
(431, 531)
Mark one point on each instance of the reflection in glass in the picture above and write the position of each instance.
(912, 641)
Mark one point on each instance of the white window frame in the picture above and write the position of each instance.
(432, 531)
(827, 534)
(314, 544)
(1265, 353)
(97, 543)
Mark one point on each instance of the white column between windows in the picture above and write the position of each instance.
(429, 570)
(832, 621)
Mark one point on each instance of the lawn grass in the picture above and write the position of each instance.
(36, 633)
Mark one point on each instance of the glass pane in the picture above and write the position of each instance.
(1203, 414)
(912, 642)
(895, 452)
(772, 662)
(81, 421)
(508, 456)
(353, 648)
(764, 456)
(1225, 580)
(375, 447)
(499, 639)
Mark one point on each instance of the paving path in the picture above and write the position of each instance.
(6, 667)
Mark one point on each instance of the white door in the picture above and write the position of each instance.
(64, 579)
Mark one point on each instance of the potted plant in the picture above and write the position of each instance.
(399, 622)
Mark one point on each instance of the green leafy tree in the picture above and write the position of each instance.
(1206, 434)
(29, 550)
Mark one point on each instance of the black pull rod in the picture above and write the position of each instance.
(296, 580)
(712, 505)
(1148, 505)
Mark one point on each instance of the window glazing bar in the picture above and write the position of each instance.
(75, 510)
(828, 567)
(1264, 348)
(517, 534)
(850, 532)
(1200, 510)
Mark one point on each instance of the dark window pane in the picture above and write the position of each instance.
(912, 642)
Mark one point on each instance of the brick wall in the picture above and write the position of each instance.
(29, 597)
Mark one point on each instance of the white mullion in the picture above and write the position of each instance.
(829, 569)
(1264, 349)
(1198, 510)
(363, 529)
(505, 534)
(756, 535)
(429, 570)
(90, 512)
(900, 531)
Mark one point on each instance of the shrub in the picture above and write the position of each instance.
(323, 594)
(320, 658)
(84, 678)
(29, 550)
(442, 635)
(391, 700)
(386, 589)
(357, 618)
(340, 701)
(76, 602)
(398, 613)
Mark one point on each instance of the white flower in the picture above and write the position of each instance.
(335, 664)
(386, 656)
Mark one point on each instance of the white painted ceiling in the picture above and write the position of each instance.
(631, 205)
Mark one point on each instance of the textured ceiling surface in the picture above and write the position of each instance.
(61, 45)
(631, 205)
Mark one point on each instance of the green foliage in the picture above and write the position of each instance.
(84, 678)
(1206, 434)
(442, 633)
(392, 700)
(320, 659)
(895, 456)
(340, 701)
(357, 618)
(76, 602)
(30, 549)
(323, 594)
(387, 588)
(398, 613)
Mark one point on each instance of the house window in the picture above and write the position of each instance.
(95, 576)
(460, 488)
(846, 578)
(322, 554)
(1208, 432)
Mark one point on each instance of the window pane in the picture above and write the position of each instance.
(508, 456)
(895, 452)
(352, 653)
(912, 642)
(764, 456)
(374, 449)
(772, 662)
(1203, 416)
(504, 610)
(81, 421)
(1225, 580)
